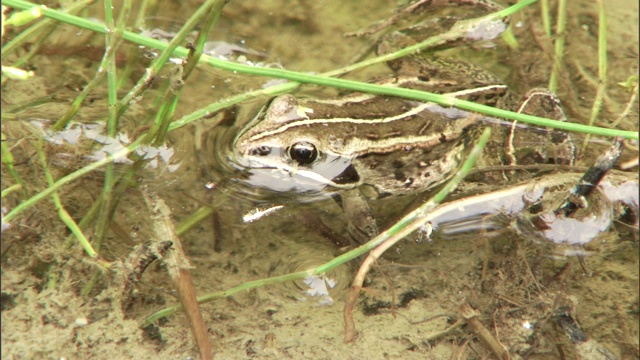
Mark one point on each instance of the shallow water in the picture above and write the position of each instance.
(414, 292)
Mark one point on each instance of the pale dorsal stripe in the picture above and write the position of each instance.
(413, 111)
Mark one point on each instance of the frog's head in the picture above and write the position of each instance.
(282, 154)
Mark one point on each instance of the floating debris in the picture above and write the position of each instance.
(258, 213)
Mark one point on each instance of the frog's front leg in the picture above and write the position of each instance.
(361, 223)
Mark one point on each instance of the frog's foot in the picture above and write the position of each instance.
(542, 102)
(545, 145)
(394, 41)
(425, 6)
(380, 25)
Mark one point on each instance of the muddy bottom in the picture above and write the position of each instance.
(447, 297)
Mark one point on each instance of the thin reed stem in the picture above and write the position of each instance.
(601, 89)
(561, 25)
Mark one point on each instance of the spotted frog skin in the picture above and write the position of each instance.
(363, 146)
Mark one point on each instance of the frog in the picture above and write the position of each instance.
(359, 147)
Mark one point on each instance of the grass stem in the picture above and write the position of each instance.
(601, 89)
(342, 83)
(561, 25)
(62, 212)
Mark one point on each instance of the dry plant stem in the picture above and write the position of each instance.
(444, 332)
(349, 306)
(356, 285)
(178, 266)
(485, 335)
(459, 351)
(531, 275)
(627, 165)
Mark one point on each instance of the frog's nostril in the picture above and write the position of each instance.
(260, 151)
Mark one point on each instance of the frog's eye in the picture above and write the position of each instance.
(303, 153)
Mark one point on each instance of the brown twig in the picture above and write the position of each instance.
(178, 266)
(356, 285)
(470, 316)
